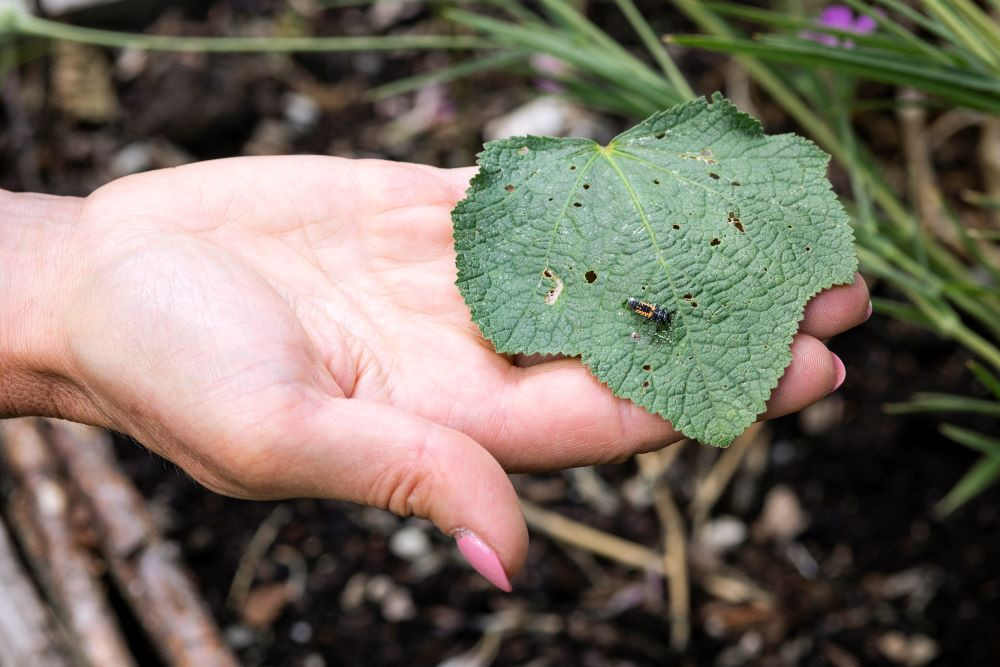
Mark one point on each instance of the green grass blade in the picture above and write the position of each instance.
(888, 24)
(39, 27)
(563, 11)
(655, 47)
(447, 74)
(981, 22)
(933, 402)
(987, 379)
(971, 439)
(585, 58)
(978, 478)
(903, 41)
(960, 86)
(931, 26)
(967, 34)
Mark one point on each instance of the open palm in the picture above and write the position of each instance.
(290, 326)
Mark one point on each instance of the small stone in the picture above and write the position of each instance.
(410, 543)
(782, 518)
(301, 111)
(398, 606)
(300, 632)
(912, 651)
(131, 159)
(378, 587)
(822, 416)
(723, 534)
(353, 595)
(239, 636)
(313, 660)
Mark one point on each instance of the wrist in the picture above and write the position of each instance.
(34, 238)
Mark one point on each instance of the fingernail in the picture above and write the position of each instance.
(482, 559)
(841, 372)
(869, 313)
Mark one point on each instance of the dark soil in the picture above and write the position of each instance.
(872, 579)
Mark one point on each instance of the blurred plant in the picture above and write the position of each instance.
(987, 470)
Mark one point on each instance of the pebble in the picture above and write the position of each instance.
(912, 651)
(723, 534)
(410, 543)
(300, 632)
(782, 518)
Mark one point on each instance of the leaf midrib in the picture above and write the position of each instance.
(661, 260)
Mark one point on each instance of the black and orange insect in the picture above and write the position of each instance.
(648, 310)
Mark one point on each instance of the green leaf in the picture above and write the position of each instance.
(727, 230)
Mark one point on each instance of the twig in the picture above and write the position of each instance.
(924, 192)
(145, 567)
(261, 541)
(989, 159)
(590, 539)
(674, 550)
(66, 569)
(707, 493)
(27, 636)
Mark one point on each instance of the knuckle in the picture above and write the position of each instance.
(407, 487)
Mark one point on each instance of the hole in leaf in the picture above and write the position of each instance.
(586, 186)
(738, 225)
(694, 304)
(714, 242)
(656, 181)
(577, 204)
(523, 150)
(590, 276)
(676, 226)
(553, 294)
(646, 367)
(660, 135)
(550, 198)
(509, 187)
(572, 167)
(808, 248)
(736, 184)
(636, 336)
(645, 385)
(765, 269)
(714, 175)
(688, 296)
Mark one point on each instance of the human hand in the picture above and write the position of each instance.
(290, 326)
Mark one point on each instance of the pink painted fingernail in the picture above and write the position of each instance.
(482, 559)
(841, 372)
(869, 313)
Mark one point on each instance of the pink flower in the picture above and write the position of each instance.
(840, 17)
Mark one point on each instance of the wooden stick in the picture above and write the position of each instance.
(27, 634)
(596, 541)
(712, 486)
(66, 569)
(145, 567)
(674, 550)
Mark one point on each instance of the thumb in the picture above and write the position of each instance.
(381, 456)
